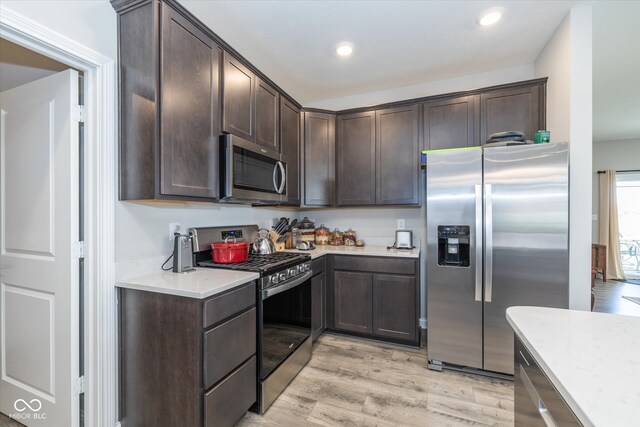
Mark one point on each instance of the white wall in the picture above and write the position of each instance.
(142, 230)
(567, 61)
(473, 81)
(89, 22)
(614, 155)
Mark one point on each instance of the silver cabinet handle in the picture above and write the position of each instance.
(478, 191)
(284, 177)
(488, 242)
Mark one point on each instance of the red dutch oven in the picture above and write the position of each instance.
(229, 252)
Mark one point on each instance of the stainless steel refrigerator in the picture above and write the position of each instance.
(497, 236)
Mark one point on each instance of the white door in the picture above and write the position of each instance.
(38, 275)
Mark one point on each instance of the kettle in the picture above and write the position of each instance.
(263, 245)
(182, 253)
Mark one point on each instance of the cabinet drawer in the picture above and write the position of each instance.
(318, 266)
(228, 345)
(555, 404)
(223, 306)
(375, 264)
(227, 402)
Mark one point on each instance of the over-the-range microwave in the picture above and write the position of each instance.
(250, 173)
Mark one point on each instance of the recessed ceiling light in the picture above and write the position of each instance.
(344, 49)
(490, 17)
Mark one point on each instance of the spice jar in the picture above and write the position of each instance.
(336, 238)
(350, 237)
(322, 235)
(307, 230)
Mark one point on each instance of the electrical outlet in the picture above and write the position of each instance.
(401, 224)
(174, 227)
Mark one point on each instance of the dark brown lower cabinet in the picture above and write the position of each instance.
(352, 301)
(394, 308)
(318, 312)
(186, 361)
(376, 297)
(318, 297)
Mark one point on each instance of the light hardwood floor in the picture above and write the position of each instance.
(353, 382)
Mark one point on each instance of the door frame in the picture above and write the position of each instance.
(100, 183)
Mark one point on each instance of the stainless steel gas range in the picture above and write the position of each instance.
(283, 305)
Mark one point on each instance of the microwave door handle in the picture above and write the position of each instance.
(284, 177)
(275, 174)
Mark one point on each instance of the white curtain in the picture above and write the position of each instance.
(609, 232)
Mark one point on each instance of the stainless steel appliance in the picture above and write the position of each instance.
(250, 173)
(404, 239)
(283, 306)
(182, 253)
(497, 236)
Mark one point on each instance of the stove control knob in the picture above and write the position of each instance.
(282, 276)
(307, 267)
(293, 272)
(301, 268)
(274, 279)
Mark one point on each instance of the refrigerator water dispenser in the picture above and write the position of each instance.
(453, 245)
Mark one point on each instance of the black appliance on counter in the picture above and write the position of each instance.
(283, 307)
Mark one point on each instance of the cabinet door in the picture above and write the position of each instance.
(318, 309)
(190, 72)
(267, 106)
(290, 147)
(319, 159)
(352, 293)
(355, 154)
(239, 85)
(397, 156)
(452, 123)
(516, 109)
(394, 307)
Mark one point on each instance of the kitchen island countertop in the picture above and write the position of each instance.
(200, 283)
(592, 359)
(380, 251)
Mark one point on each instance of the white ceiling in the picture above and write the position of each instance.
(397, 43)
(403, 43)
(616, 71)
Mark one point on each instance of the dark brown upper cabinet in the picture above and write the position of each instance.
(514, 109)
(239, 87)
(356, 159)
(378, 157)
(397, 156)
(251, 106)
(319, 159)
(452, 123)
(167, 152)
(267, 115)
(290, 146)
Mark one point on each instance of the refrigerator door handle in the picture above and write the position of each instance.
(478, 242)
(488, 241)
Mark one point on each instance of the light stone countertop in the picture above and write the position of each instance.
(381, 251)
(201, 283)
(592, 359)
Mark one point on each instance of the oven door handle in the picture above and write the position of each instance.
(286, 286)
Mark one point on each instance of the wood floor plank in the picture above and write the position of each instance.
(353, 382)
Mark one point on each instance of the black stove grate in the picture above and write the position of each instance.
(261, 263)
